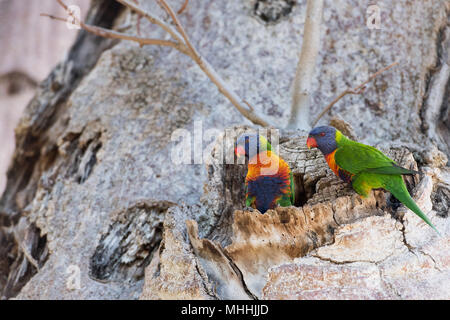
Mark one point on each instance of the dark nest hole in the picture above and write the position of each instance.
(393, 203)
(303, 191)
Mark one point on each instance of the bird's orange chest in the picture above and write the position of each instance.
(332, 163)
(267, 164)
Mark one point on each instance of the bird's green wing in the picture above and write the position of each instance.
(285, 201)
(357, 157)
(249, 201)
(393, 169)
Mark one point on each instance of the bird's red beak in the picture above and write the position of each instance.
(240, 151)
(311, 143)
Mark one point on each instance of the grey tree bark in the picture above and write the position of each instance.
(95, 208)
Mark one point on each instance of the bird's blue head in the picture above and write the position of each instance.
(250, 144)
(323, 138)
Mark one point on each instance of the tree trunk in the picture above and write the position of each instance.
(95, 207)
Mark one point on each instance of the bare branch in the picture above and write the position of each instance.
(357, 90)
(300, 108)
(178, 25)
(185, 4)
(152, 19)
(106, 33)
(53, 17)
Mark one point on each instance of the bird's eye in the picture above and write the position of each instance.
(322, 134)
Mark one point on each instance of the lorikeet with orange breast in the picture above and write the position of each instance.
(269, 180)
(363, 166)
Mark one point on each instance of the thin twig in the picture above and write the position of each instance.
(185, 4)
(249, 105)
(53, 17)
(178, 25)
(152, 19)
(357, 90)
(106, 33)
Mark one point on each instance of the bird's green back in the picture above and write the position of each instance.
(356, 157)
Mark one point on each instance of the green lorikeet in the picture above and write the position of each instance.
(363, 166)
(269, 180)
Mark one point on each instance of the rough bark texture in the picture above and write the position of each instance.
(93, 185)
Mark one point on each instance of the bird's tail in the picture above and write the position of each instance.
(401, 193)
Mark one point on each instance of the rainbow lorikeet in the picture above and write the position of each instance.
(269, 180)
(363, 166)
